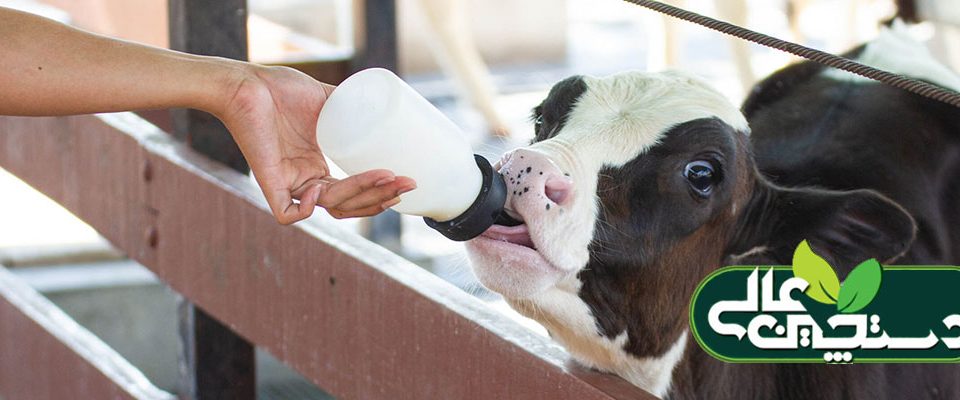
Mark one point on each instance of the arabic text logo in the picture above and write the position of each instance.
(803, 313)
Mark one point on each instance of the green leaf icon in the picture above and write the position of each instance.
(860, 287)
(824, 285)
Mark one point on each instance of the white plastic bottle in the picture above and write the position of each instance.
(375, 120)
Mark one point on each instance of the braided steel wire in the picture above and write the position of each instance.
(911, 85)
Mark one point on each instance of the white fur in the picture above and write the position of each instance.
(895, 50)
(570, 322)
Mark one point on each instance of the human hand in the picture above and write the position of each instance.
(272, 114)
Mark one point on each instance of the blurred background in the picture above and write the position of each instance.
(484, 63)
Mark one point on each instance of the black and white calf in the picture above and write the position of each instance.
(639, 184)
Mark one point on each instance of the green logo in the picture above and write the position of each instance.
(804, 313)
(857, 291)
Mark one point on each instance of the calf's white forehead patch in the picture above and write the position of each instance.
(620, 116)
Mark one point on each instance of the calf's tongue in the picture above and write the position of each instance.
(518, 234)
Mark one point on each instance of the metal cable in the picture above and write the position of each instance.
(911, 85)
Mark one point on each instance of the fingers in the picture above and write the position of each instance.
(361, 195)
(362, 191)
(286, 211)
(337, 191)
(364, 212)
(377, 195)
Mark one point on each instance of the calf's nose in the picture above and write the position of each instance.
(534, 182)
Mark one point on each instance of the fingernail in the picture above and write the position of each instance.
(405, 190)
(385, 181)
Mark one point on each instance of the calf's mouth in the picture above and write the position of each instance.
(506, 260)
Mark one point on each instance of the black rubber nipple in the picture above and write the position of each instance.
(485, 211)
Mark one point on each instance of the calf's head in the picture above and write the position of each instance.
(636, 186)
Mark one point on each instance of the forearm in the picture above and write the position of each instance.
(47, 68)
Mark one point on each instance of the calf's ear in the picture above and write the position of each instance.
(843, 227)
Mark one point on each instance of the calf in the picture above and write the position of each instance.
(638, 185)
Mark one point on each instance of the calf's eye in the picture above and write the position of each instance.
(701, 175)
(537, 123)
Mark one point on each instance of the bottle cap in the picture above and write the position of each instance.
(485, 211)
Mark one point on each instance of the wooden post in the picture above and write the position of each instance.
(213, 28)
(378, 44)
(378, 48)
(215, 362)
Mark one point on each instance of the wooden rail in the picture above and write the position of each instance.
(46, 355)
(355, 319)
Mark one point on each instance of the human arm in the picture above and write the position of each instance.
(48, 68)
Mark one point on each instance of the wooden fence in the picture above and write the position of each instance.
(355, 319)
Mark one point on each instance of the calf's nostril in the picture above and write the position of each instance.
(558, 189)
